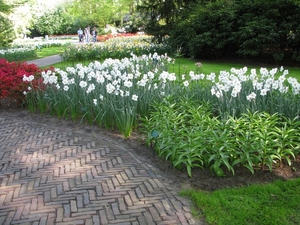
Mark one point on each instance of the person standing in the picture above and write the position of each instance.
(87, 33)
(94, 33)
(80, 34)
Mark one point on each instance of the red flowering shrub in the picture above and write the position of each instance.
(12, 85)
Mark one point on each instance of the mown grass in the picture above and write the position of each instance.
(183, 65)
(44, 52)
(276, 203)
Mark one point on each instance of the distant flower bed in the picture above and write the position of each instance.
(103, 38)
(114, 47)
(18, 53)
(26, 48)
(37, 43)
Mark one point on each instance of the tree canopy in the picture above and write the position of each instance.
(6, 27)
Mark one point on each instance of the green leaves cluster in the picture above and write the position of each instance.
(55, 21)
(265, 30)
(7, 33)
(184, 132)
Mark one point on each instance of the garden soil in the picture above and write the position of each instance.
(202, 179)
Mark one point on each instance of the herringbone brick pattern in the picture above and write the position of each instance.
(52, 173)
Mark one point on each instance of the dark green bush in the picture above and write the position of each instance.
(264, 30)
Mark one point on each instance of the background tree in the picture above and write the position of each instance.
(161, 16)
(265, 30)
(6, 27)
(54, 22)
(268, 28)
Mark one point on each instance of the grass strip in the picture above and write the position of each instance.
(44, 52)
(276, 203)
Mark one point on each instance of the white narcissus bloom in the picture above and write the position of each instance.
(259, 86)
(151, 75)
(25, 78)
(95, 101)
(110, 88)
(52, 79)
(29, 88)
(264, 72)
(237, 88)
(71, 70)
(115, 82)
(213, 90)
(142, 83)
(263, 92)
(283, 89)
(273, 71)
(24, 93)
(90, 88)
(101, 97)
(293, 81)
(186, 83)
(211, 77)
(251, 97)
(234, 93)
(128, 83)
(100, 79)
(130, 76)
(81, 74)
(275, 85)
(134, 97)
(285, 72)
(30, 78)
(163, 76)
(82, 84)
(65, 81)
(171, 77)
(66, 88)
(281, 78)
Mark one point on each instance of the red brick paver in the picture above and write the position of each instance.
(55, 172)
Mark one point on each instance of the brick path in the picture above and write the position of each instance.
(57, 172)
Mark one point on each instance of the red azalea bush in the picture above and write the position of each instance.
(12, 85)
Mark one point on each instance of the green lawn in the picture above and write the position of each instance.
(183, 64)
(277, 203)
(44, 52)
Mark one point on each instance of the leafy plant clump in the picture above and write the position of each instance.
(185, 132)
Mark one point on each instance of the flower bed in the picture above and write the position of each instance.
(17, 53)
(117, 47)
